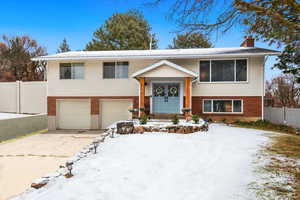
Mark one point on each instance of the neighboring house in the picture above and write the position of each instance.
(92, 89)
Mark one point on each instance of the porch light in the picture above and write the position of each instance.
(96, 144)
(69, 166)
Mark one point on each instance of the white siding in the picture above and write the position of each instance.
(95, 85)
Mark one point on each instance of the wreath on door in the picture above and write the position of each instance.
(159, 91)
(173, 91)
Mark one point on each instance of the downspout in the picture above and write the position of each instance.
(264, 87)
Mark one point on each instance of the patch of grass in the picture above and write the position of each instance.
(286, 145)
(22, 136)
(266, 125)
(284, 162)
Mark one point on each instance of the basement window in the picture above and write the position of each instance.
(222, 106)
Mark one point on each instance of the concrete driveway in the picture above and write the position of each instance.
(26, 159)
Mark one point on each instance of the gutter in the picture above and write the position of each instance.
(49, 58)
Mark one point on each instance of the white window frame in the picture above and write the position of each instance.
(115, 69)
(212, 106)
(72, 63)
(235, 81)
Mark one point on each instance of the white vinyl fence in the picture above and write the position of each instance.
(288, 116)
(23, 97)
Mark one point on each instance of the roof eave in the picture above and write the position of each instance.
(45, 58)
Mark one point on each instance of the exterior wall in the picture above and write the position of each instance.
(23, 97)
(95, 85)
(252, 108)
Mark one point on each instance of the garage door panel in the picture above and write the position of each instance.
(74, 114)
(114, 110)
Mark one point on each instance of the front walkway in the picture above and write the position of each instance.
(26, 159)
(207, 166)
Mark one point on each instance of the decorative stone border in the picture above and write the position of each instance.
(62, 171)
(131, 128)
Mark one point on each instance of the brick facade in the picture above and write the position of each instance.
(252, 106)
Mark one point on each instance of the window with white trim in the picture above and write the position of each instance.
(71, 71)
(114, 70)
(223, 70)
(222, 106)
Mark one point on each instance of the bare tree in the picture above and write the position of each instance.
(283, 91)
(15, 58)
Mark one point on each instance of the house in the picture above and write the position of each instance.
(91, 90)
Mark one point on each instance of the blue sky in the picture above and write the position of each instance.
(50, 21)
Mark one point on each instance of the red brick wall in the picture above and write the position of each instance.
(252, 106)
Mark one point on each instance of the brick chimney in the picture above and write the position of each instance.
(248, 42)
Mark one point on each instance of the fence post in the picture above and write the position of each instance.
(284, 116)
(18, 85)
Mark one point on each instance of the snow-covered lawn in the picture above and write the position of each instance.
(11, 115)
(215, 165)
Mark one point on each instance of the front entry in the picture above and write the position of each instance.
(166, 98)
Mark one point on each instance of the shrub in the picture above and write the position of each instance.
(224, 120)
(195, 118)
(175, 119)
(144, 119)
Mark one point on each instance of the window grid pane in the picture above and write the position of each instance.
(204, 71)
(77, 71)
(237, 106)
(109, 70)
(121, 70)
(222, 105)
(65, 71)
(207, 106)
(241, 70)
(222, 70)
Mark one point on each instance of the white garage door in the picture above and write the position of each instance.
(74, 114)
(114, 110)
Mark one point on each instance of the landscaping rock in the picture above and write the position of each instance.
(39, 183)
(125, 127)
(139, 129)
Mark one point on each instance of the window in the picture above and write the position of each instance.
(115, 70)
(205, 71)
(71, 71)
(222, 106)
(223, 70)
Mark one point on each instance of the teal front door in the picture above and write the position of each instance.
(166, 98)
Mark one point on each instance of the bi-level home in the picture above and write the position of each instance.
(92, 89)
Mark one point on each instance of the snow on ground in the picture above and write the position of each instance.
(207, 166)
(11, 115)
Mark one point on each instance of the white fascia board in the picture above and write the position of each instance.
(49, 58)
(164, 62)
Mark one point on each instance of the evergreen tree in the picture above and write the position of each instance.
(123, 31)
(187, 41)
(63, 47)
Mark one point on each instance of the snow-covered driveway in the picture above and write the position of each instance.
(206, 166)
